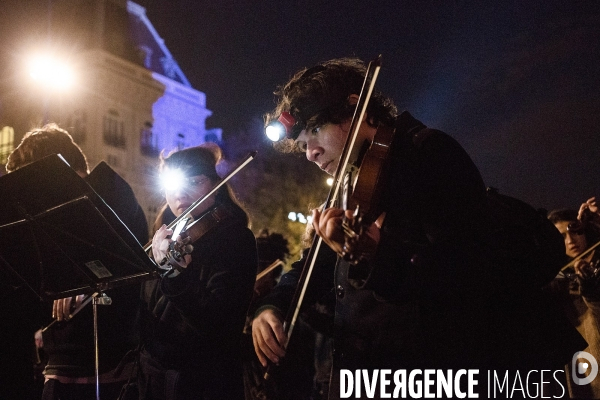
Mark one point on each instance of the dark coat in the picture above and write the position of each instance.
(192, 324)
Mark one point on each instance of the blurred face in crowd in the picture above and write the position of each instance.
(575, 242)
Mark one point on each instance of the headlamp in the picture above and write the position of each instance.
(172, 179)
(281, 128)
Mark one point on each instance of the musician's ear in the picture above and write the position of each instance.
(352, 99)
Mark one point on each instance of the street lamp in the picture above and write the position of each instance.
(53, 77)
(51, 72)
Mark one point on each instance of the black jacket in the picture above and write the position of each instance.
(193, 323)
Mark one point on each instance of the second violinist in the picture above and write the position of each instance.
(192, 318)
(428, 292)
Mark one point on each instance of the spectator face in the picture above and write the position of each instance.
(575, 243)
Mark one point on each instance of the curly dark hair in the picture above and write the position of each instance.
(319, 95)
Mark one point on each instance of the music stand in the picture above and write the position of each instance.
(61, 239)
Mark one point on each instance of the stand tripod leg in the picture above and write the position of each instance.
(98, 299)
(96, 357)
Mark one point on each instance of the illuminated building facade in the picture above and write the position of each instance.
(130, 99)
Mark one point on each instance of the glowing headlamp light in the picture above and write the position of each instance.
(172, 179)
(281, 128)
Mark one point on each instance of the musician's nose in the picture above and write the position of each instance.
(313, 152)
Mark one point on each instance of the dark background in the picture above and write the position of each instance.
(515, 82)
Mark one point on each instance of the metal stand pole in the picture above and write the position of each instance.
(96, 358)
(98, 299)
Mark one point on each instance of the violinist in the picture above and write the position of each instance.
(577, 288)
(69, 344)
(192, 318)
(424, 290)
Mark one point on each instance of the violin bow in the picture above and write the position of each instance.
(357, 119)
(270, 268)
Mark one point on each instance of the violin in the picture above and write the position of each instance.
(364, 193)
(191, 232)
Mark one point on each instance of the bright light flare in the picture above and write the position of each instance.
(299, 217)
(329, 181)
(172, 179)
(275, 131)
(281, 127)
(50, 72)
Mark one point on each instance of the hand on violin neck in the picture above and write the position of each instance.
(160, 242)
(328, 225)
(334, 226)
(584, 269)
(161, 246)
(587, 274)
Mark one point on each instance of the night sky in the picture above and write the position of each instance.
(515, 82)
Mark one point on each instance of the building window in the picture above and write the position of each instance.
(78, 126)
(113, 128)
(148, 145)
(180, 141)
(7, 143)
